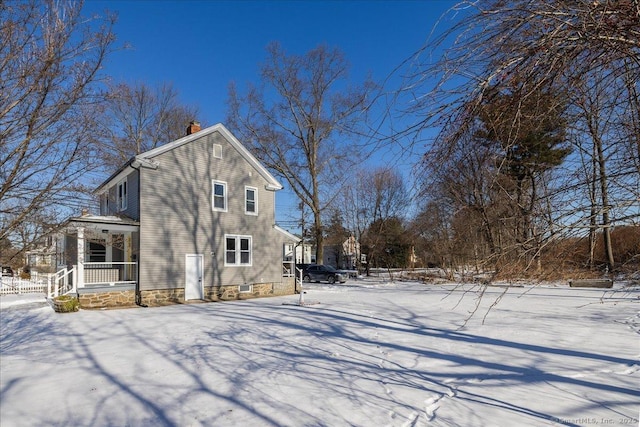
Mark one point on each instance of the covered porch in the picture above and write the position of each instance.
(97, 254)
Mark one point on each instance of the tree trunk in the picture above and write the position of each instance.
(606, 225)
(593, 215)
(319, 236)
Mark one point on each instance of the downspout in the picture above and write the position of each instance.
(138, 295)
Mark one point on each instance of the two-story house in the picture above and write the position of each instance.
(190, 220)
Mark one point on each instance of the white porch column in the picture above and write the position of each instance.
(127, 255)
(127, 246)
(80, 268)
(108, 255)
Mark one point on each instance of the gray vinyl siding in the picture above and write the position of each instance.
(110, 205)
(132, 210)
(176, 217)
(133, 184)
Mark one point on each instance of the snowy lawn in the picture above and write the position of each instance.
(370, 354)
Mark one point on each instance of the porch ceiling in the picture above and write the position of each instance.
(110, 224)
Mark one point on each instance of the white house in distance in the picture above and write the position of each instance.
(299, 253)
(344, 256)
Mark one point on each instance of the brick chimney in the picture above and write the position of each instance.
(193, 127)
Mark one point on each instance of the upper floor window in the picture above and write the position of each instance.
(237, 250)
(217, 151)
(121, 195)
(251, 200)
(219, 196)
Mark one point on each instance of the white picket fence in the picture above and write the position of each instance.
(15, 285)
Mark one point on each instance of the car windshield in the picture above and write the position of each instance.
(329, 268)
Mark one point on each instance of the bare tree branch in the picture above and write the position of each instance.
(50, 61)
(307, 134)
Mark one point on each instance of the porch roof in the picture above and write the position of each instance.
(103, 223)
(291, 237)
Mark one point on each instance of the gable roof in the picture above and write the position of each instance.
(146, 159)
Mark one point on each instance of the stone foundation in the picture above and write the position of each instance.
(120, 298)
(160, 297)
(231, 293)
(110, 297)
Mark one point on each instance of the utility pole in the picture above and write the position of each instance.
(302, 232)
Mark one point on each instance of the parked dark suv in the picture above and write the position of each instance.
(323, 273)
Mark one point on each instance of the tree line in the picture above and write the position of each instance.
(539, 139)
(537, 144)
(528, 121)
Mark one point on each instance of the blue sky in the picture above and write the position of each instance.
(201, 46)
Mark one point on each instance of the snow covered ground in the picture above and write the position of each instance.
(369, 354)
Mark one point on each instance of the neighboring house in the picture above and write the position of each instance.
(341, 256)
(302, 254)
(191, 220)
(344, 256)
(42, 257)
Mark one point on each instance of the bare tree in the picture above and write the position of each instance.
(601, 126)
(369, 200)
(354, 210)
(524, 46)
(50, 59)
(465, 204)
(387, 194)
(303, 122)
(139, 118)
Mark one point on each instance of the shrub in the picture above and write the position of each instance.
(66, 304)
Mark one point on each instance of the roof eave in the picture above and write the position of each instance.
(144, 159)
(287, 234)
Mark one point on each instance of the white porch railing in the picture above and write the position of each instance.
(61, 282)
(110, 273)
(95, 273)
(290, 270)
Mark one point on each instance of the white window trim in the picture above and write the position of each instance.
(245, 288)
(213, 196)
(104, 204)
(217, 151)
(238, 251)
(122, 199)
(255, 200)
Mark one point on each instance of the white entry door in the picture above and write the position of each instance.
(193, 277)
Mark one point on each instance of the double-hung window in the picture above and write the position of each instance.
(121, 195)
(251, 201)
(237, 250)
(219, 196)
